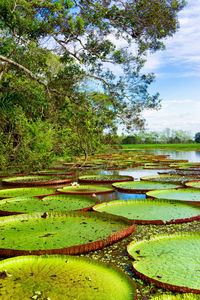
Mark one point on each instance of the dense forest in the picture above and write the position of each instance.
(71, 72)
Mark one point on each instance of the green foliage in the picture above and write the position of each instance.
(129, 140)
(24, 144)
(166, 136)
(58, 94)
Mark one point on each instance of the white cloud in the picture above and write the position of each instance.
(175, 114)
(183, 49)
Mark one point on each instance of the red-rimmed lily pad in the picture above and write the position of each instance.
(20, 205)
(60, 233)
(157, 167)
(86, 189)
(169, 261)
(144, 186)
(54, 173)
(193, 184)
(35, 180)
(21, 192)
(63, 277)
(151, 211)
(188, 195)
(104, 178)
(178, 179)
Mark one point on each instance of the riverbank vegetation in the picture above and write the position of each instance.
(173, 147)
(166, 136)
(69, 70)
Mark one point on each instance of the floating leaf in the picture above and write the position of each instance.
(104, 178)
(169, 261)
(35, 180)
(49, 203)
(64, 277)
(151, 211)
(143, 186)
(86, 189)
(189, 195)
(60, 233)
(20, 192)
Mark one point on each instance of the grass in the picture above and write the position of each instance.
(174, 147)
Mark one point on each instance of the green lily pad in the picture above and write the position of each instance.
(151, 211)
(186, 173)
(21, 192)
(63, 277)
(188, 195)
(35, 180)
(193, 184)
(157, 167)
(178, 179)
(86, 189)
(60, 233)
(19, 205)
(143, 186)
(54, 173)
(104, 178)
(169, 261)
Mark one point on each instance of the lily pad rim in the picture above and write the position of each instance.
(9, 213)
(128, 178)
(157, 221)
(149, 193)
(71, 250)
(108, 189)
(157, 282)
(144, 190)
(8, 181)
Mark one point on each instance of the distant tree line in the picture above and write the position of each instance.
(167, 136)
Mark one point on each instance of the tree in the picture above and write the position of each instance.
(129, 140)
(57, 59)
(197, 137)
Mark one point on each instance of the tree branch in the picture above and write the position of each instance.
(31, 74)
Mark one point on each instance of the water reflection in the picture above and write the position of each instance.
(191, 156)
(119, 196)
(135, 173)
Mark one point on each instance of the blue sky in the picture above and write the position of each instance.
(177, 71)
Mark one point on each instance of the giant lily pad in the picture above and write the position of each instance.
(193, 184)
(63, 277)
(35, 180)
(54, 172)
(151, 211)
(104, 178)
(188, 195)
(60, 233)
(156, 167)
(19, 205)
(178, 179)
(20, 192)
(169, 261)
(86, 189)
(143, 186)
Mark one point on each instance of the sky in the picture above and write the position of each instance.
(177, 71)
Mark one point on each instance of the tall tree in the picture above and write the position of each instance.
(88, 55)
